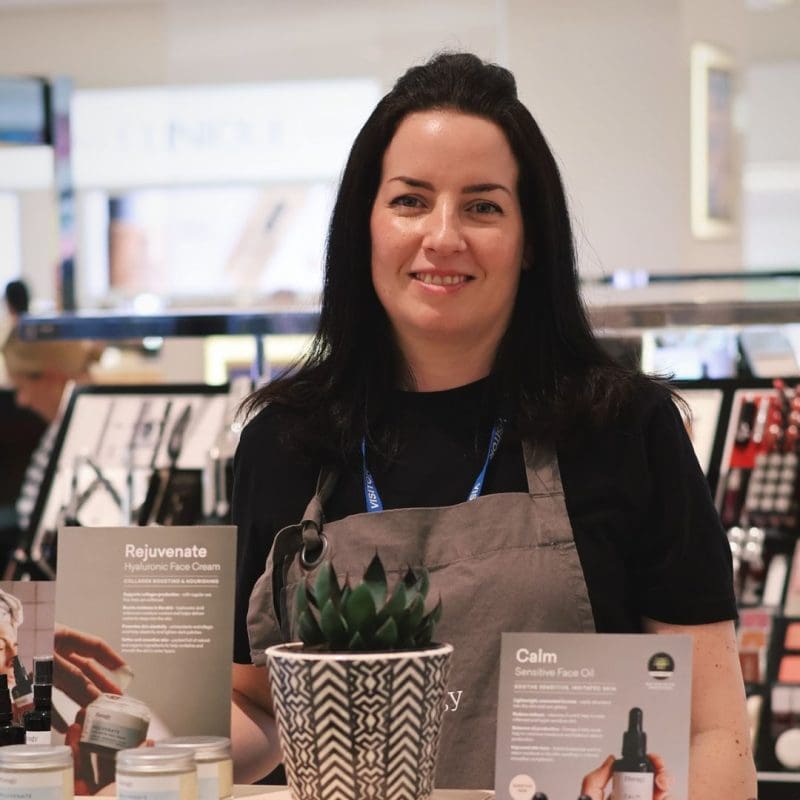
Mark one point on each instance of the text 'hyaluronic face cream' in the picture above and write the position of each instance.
(36, 772)
(156, 773)
(212, 756)
(115, 722)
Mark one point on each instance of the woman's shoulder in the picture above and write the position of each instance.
(267, 431)
(649, 399)
(268, 421)
(625, 402)
(267, 466)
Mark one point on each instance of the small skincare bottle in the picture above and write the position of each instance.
(212, 756)
(37, 721)
(9, 732)
(36, 771)
(22, 692)
(166, 773)
(634, 772)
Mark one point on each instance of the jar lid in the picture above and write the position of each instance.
(35, 756)
(205, 748)
(120, 702)
(155, 759)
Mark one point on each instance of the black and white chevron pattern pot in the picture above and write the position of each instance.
(359, 726)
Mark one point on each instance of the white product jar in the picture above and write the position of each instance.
(156, 773)
(115, 722)
(212, 756)
(36, 772)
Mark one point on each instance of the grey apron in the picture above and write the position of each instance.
(501, 563)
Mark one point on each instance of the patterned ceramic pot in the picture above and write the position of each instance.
(359, 725)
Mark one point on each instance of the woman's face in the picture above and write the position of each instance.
(8, 647)
(447, 232)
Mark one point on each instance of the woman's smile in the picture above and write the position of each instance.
(434, 280)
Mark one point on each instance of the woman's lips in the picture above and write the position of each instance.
(440, 278)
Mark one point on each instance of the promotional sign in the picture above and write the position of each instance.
(593, 715)
(143, 618)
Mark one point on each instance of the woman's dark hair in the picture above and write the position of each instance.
(549, 367)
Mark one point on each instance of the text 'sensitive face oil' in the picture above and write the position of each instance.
(634, 772)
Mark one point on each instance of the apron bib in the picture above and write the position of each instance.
(501, 563)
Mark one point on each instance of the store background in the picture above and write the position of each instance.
(608, 82)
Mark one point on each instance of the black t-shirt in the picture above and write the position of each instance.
(646, 530)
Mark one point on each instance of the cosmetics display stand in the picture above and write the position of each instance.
(754, 475)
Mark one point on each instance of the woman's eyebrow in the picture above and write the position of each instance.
(474, 188)
(417, 184)
(478, 188)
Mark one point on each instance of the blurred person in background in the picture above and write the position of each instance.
(17, 299)
(40, 373)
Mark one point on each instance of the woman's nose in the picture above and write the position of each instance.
(443, 234)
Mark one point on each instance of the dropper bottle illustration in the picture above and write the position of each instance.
(634, 772)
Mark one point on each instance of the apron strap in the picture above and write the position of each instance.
(541, 469)
(314, 515)
(304, 538)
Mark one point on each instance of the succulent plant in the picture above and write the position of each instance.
(367, 616)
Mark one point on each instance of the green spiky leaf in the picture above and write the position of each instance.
(359, 611)
(357, 642)
(395, 605)
(375, 581)
(435, 616)
(326, 585)
(409, 579)
(412, 617)
(301, 601)
(308, 629)
(387, 635)
(423, 582)
(424, 634)
(333, 626)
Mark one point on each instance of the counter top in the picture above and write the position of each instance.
(282, 793)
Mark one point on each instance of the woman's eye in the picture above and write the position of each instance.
(485, 207)
(407, 201)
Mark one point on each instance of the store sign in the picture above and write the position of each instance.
(292, 130)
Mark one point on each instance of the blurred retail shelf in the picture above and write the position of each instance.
(110, 325)
(642, 302)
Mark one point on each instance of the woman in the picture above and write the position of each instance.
(40, 373)
(451, 317)
(11, 617)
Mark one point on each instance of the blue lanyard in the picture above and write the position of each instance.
(373, 498)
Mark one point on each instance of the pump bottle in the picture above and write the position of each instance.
(22, 691)
(9, 732)
(634, 772)
(37, 721)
